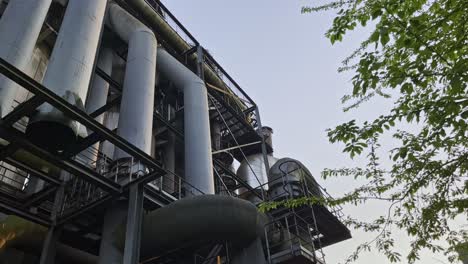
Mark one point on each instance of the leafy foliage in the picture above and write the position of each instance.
(417, 55)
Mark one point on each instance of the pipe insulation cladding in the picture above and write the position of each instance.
(20, 26)
(97, 96)
(69, 72)
(198, 160)
(136, 109)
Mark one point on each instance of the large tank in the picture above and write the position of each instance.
(252, 170)
(289, 178)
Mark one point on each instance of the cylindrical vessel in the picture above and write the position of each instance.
(20, 26)
(69, 72)
(252, 171)
(289, 179)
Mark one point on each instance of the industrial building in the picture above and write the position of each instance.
(122, 140)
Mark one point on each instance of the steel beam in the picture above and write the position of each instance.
(111, 103)
(72, 111)
(33, 172)
(49, 247)
(71, 166)
(168, 124)
(231, 110)
(113, 85)
(8, 209)
(68, 217)
(149, 177)
(24, 109)
(38, 197)
(238, 179)
(7, 151)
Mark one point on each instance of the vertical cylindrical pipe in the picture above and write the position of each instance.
(111, 121)
(198, 160)
(20, 26)
(137, 106)
(97, 96)
(69, 72)
(136, 109)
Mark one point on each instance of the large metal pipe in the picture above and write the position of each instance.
(20, 26)
(69, 72)
(136, 109)
(200, 219)
(198, 162)
(160, 26)
(97, 96)
(205, 218)
(253, 171)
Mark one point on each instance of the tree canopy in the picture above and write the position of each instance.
(417, 56)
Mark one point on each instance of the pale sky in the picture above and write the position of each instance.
(283, 61)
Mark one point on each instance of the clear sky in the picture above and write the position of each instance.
(283, 61)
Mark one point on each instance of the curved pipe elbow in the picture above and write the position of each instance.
(169, 66)
(124, 24)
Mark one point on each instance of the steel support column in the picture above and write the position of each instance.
(134, 222)
(50, 244)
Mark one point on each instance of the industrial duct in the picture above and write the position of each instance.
(69, 72)
(137, 106)
(97, 96)
(136, 110)
(160, 26)
(200, 219)
(198, 161)
(205, 218)
(20, 26)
